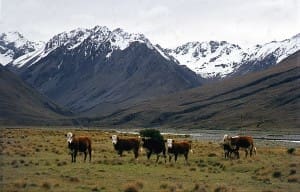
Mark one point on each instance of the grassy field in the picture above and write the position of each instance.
(38, 160)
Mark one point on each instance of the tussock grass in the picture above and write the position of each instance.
(30, 155)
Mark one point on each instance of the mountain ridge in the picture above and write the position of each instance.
(84, 71)
(267, 100)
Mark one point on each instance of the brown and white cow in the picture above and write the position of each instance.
(79, 144)
(178, 147)
(126, 144)
(237, 142)
(155, 146)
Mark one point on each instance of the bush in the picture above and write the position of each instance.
(291, 150)
(277, 174)
(152, 133)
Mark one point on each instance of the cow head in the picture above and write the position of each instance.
(69, 137)
(170, 143)
(114, 139)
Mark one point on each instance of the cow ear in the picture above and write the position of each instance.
(73, 135)
(65, 135)
(173, 141)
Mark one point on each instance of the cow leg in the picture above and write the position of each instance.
(226, 154)
(170, 158)
(75, 154)
(90, 154)
(149, 154)
(165, 156)
(85, 154)
(176, 157)
(186, 157)
(136, 153)
(237, 154)
(251, 150)
(157, 158)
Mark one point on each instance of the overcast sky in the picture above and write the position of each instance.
(166, 22)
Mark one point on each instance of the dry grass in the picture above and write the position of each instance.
(38, 160)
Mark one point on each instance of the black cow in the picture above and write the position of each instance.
(155, 146)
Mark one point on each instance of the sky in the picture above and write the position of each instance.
(166, 22)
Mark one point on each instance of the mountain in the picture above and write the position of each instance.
(264, 100)
(13, 45)
(95, 71)
(216, 59)
(262, 57)
(22, 105)
(209, 59)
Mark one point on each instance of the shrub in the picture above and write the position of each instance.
(153, 133)
(291, 150)
(46, 185)
(277, 174)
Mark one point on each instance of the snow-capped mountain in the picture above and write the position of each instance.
(95, 38)
(102, 70)
(215, 59)
(209, 59)
(14, 45)
(261, 57)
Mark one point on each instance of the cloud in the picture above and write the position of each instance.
(166, 22)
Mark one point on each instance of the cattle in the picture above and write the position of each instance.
(178, 147)
(79, 144)
(237, 142)
(228, 151)
(156, 146)
(126, 144)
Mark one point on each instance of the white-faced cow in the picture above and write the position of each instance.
(155, 146)
(237, 142)
(126, 144)
(178, 147)
(79, 144)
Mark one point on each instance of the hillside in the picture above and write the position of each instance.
(263, 100)
(22, 105)
(96, 71)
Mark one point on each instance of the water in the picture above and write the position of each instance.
(289, 139)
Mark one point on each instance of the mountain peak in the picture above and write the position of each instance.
(13, 45)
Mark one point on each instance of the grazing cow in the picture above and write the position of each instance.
(236, 142)
(79, 144)
(154, 146)
(126, 144)
(176, 148)
(228, 151)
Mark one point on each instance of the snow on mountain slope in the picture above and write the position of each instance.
(14, 45)
(99, 36)
(220, 59)
(280, 49)
(209, 59)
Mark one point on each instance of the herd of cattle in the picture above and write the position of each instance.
(174, 148)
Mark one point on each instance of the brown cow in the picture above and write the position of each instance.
(126, 144)
(237, 142)
(81, 144)
(175, 148)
